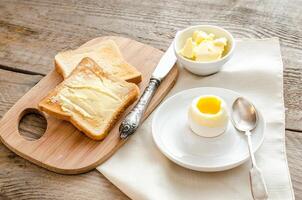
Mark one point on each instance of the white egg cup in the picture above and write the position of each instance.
(201, 67)
(208, 132)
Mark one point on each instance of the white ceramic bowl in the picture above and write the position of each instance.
(198, 67)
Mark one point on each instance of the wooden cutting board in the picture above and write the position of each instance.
(62, 148)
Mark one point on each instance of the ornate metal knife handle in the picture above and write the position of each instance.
(133, 119)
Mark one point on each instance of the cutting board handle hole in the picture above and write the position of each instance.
(32, 124)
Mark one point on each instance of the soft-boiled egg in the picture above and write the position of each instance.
(208, 116)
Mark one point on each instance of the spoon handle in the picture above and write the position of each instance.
(251, 151)
(258, 185)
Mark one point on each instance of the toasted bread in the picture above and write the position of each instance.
(91, 99)
(105, 53)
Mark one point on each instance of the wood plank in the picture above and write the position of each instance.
(13, 86)
(30, 38)
(19, 179)
(293, 97)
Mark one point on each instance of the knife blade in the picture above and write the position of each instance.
(132, 121)
(165, 64)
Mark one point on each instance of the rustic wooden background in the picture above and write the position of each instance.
(31, 32)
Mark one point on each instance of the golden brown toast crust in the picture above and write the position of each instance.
(134, 75)
(55, 110)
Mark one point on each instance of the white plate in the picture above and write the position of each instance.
(175, 139)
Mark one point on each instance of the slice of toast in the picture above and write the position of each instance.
(91, 99)
(105, 53)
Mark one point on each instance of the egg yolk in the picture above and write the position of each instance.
(209, 105)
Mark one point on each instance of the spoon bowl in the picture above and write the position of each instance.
(244, 115)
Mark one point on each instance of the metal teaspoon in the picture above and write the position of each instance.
(244, 118)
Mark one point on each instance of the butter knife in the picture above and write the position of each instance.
(132, 121)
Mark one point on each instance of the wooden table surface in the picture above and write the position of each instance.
(31, 32)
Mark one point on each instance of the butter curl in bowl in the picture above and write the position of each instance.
(203, 49)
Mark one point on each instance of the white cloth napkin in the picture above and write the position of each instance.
(256, 71)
